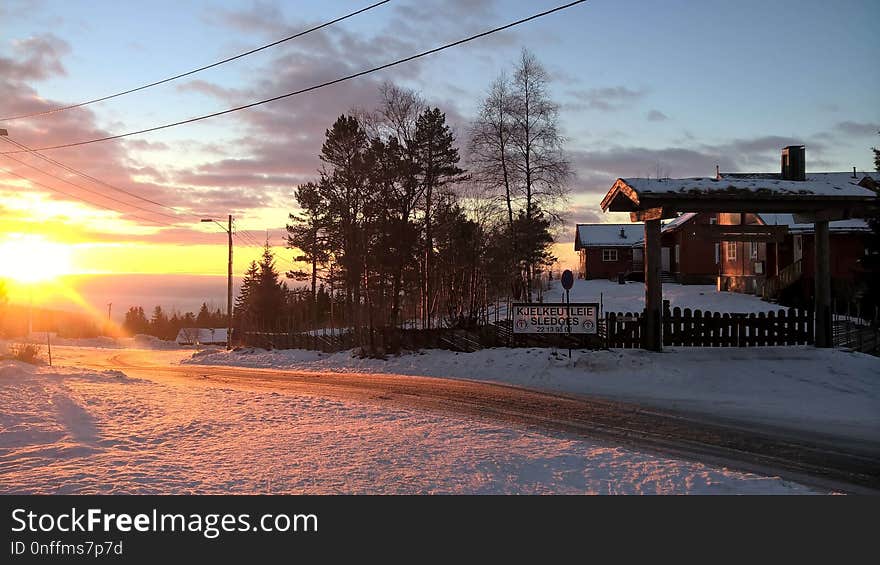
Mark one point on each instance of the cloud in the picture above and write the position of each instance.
(606, 99)
(37, 58)
(858, 129)
(657, 116)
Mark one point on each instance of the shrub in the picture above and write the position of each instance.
(26, 352)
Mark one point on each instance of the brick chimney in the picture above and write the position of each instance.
(794, 166)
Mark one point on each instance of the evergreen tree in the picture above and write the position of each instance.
(203, 320)
(305, 234)
(437, 166)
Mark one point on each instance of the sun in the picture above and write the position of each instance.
(33, 259)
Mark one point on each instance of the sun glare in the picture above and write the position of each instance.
(32, 259)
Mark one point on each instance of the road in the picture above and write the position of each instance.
(807, 459)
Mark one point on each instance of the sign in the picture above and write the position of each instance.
(567, 279)
(555, 318)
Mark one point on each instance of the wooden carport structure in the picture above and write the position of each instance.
(817, 198)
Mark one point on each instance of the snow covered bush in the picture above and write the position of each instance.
(26, 352)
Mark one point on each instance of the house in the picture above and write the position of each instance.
(202, 336)
(607, 250)
(818, 198)
(760, 267)
(792, 260)
(685, 257)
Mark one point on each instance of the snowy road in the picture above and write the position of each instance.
(409, 434)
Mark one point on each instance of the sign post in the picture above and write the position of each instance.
(567, 283)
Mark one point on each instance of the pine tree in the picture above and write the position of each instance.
(203, 319)
(437, 165)
(305, 234)
(243, 313)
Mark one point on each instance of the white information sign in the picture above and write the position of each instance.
(555, 318)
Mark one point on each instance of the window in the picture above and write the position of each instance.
(754, 245)
(609, 255)
(713, 220)
(731, 251)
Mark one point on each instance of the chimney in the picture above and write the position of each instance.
(794, 163)
(622, 233)
(717, 172)
(854, 173)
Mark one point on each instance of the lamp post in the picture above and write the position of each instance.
(228, 231)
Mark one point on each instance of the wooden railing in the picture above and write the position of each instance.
(786, 277)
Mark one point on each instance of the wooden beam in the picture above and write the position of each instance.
(652, 340)
(749, 232)
(821, 215)
(651, 214)
(789, 205)
(824, 331)
(621, 198)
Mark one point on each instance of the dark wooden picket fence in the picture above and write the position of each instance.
(695, 328)
(688, 328)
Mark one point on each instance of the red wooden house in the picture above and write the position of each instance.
(607, 250)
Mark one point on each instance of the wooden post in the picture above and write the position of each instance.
(823, 286)
(653, 287)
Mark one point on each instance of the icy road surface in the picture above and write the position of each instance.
(65, 430)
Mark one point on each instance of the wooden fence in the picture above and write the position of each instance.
(715, 329)
(618, 330)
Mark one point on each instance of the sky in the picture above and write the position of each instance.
(644, 88)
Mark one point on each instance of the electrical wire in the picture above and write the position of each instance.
(194, 71)
(99, 194)
(75, 197)
(88, 176)
(314, 87)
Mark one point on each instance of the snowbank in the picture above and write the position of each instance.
(72, 431)
(139, 341)
(820, 391)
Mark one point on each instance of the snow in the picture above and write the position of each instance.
(608, 235)
(630, 297)
(66, 431)
(823, 391)
(684, 218)
(853, 224)
(816, 184)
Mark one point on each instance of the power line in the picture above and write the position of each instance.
(200, 69)
(317, 86)
(88, 176)
(99, 194)
(75, 197)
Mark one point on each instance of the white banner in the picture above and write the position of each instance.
(555, 318)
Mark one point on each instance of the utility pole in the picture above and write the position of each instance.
(228, 231)
(229, 291)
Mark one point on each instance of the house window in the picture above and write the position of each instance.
(731, 251)
(754, 245)
(713, 219)
(609, 255)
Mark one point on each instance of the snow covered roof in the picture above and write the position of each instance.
(768, 184)
(854, 224)
(204, 336)
(684, 218)
(607, 235)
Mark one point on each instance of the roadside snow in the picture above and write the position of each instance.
(802, 388)
(139, 341)
(77, 431)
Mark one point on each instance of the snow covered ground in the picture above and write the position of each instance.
(801, 388)
(630, 297)
(68, 430)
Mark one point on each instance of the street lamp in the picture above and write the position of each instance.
(228, 282)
